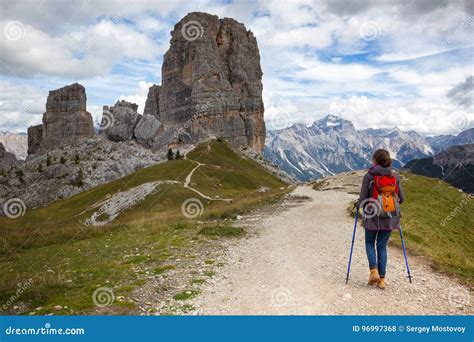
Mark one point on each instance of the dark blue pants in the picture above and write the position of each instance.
(377, 259)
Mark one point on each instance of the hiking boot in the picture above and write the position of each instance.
(381, 284)
(374, 277)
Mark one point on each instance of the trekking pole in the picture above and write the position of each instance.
(405, 254)
(352, 245)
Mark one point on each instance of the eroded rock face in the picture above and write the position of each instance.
(211, 82)
(152, 104)
(120, 120)
(7, 159)
(35, 135)
(66, 120)
(148, 130)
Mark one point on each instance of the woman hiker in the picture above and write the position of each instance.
(380, 197)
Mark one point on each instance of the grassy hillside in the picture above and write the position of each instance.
(65, 260)
(438, 222)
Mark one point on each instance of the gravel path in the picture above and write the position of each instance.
(294, 260)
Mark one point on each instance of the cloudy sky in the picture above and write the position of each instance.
(382, 63)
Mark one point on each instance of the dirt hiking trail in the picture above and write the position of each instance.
(293, 262)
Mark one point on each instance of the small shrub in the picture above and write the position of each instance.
(170, 154)
(20, 174)
(185, 295)
(79, 181)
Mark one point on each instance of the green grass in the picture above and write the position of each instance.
(209, 274)
(68, 260)
(222, 231)
(428, 231)
(185, 295)
(163, 269)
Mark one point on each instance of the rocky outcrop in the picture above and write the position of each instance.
(152, 103)
(7, 159)
(35, 135)
(66, 120)
(119, 121)
(56, 171)
(148, 130)
(211, 83)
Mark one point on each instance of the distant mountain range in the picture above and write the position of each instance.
(454, 165)
(332, 145)
(16, 143)
(442, 142)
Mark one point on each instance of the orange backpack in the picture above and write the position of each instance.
(385, 192)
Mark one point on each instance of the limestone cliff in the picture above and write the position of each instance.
(66, 120)
(211, 83)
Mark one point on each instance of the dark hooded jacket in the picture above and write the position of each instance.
(376, 222)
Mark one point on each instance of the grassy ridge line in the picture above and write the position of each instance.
(438, 222)
(67, 260)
